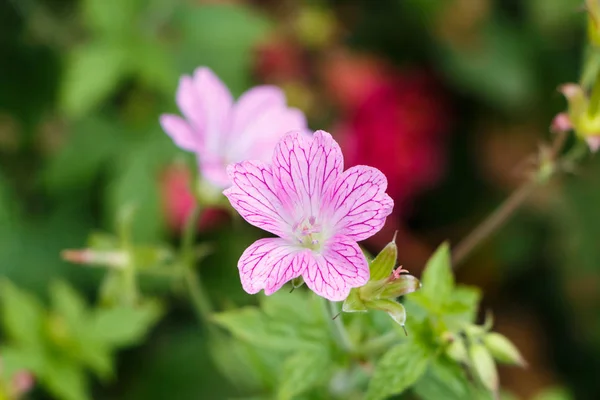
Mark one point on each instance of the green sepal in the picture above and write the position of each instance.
(393, 308)
(382, 266)
(400, 286)
(353, 302)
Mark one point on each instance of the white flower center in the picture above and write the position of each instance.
(308, 232)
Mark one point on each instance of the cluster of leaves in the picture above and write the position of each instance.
(286, 343)
(57, 345)
(295, 334)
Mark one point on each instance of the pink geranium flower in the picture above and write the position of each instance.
(222, 132)
(318, 210)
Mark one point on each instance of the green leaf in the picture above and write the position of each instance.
(462, 306)
(22, 315)
(221, 37)
(112, 18)
(122, 326)
(91, 143)
(17, 359)
(67, 303)
(96, 356)
(248, 368)
(92, 73)
(398, 369)
(499, 69)
(285, 322)
(437, 279)
(251, 325)
(303, 371)
(66, 380)
(443, 380)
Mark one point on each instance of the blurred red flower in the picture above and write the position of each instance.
(178, 200)
(394, 121)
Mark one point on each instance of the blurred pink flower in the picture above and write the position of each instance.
(21, 383)
(318, 210)
(394, 122)
(220, 131)
(178, 201)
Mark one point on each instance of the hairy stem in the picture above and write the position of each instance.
(337, 325)
(379, 344)
(492, 223)
(200, 300)
(495, 221)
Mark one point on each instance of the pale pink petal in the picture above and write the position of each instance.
(253, 195)
(339, 267)
(214, 170)
(188, 101)
(358, 204)
(252, 104)
(179, 130)
(259, 137)
(216, 101)
(269, 263)
(593, 142)
(305, 168)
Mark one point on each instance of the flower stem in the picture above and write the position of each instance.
(200, 301)
(337, 326)
(380, 344)
(495, 221)
(492, 223)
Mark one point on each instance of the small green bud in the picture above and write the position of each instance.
(393, 308)
(483, 365)
(457, 350)
(112, 259)
(383, 265)
(503, 350)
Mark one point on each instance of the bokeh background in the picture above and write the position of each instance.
(447, 97)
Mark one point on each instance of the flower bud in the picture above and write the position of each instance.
(503, 350)
(22, 382)
(457, 350)
(593, 143)
(561, 123)
(383, 265)
(483, 365)
(113, 259)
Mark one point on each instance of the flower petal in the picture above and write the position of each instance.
(254, 196)
(269, 263)
(340, 267)
(253, 102)
(358, 204)
(305, 168)
(257, 140)
(179, 131)
(216, 102)
(189, 102)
